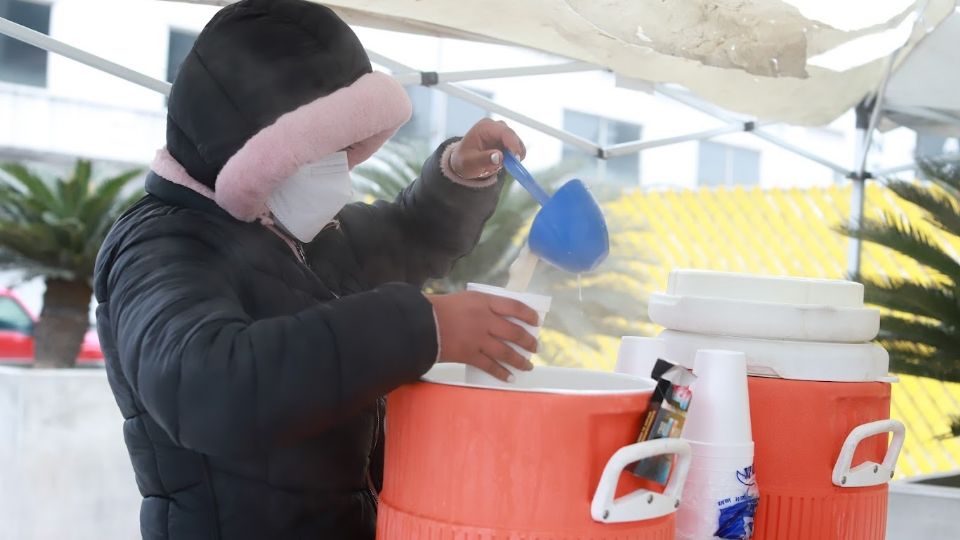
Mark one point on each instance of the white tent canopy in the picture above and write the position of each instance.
(762, 58)
(924, 92)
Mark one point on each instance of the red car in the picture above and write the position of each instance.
(16, 335)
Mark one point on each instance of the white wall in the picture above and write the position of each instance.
(85, 112)
(923, 511)
(64, 469)
(32, 119)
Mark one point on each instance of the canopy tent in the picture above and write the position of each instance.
(745, 62)
(762, 58)
(923, 92)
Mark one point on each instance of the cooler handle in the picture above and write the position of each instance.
(641, 504)
(868, 473)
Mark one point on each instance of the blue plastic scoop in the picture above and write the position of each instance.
(569, 231)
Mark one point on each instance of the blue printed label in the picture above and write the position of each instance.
(737, 513)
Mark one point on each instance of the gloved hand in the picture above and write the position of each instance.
(479, 153)
(473, 328)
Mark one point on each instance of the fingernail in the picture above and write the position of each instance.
(529, 366)
(511, 378)
(495, 158)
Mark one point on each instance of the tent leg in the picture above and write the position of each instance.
(855, 248)
(863, 111)
(868, 113)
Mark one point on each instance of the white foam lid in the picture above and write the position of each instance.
(779, 290)
(748, 318)
(796, 360)
(750, 306)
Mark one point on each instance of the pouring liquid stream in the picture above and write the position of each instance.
(521, 271)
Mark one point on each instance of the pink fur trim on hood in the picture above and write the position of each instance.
(169, 168)
(360, 117)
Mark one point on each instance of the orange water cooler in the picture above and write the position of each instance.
(542, 460)
(819, 394)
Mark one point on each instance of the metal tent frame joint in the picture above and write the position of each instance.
(429, 78)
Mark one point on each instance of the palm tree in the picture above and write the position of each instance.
(53, 229)
(920, 326)
(954, 428)
(607, 302)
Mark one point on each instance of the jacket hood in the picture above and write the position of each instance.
(269, 86)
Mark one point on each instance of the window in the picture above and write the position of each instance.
(13, 317)
(622, 170)
(723, 165)
(178, 48)
(21, 63)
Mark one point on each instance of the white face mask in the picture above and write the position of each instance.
(307, 201)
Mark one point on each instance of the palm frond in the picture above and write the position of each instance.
(31, 184)
(922, 330)
(898, 234)
(54, 228)
(95, 209)
(912, 358)
(943, 173)
(899, 329)
(929, 301)
(940, 209)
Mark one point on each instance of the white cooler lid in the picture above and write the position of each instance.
(799, 360)
(743, 305)
(777, 290)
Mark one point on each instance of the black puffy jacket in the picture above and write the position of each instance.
(250, 381)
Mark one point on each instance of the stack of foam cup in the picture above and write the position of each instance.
(539, 303)
(720, 496)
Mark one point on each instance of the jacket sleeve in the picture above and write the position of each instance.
(432, 223)
(221, 383)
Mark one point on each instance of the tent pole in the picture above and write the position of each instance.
(633, 147)
(858, 178)
(710, 110)
(868, 114)
(416, 77)
(490, 106)
(794, 149)
(47, 43)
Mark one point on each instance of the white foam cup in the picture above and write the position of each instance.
(637, 355)
(719, 477)
(538, 302)
(720, 407)
(721, 482)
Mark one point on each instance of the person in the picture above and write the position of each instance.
(252, 317)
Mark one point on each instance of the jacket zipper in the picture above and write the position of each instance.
(373, 449)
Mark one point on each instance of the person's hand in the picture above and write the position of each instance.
(473, 328)
(480, 152)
